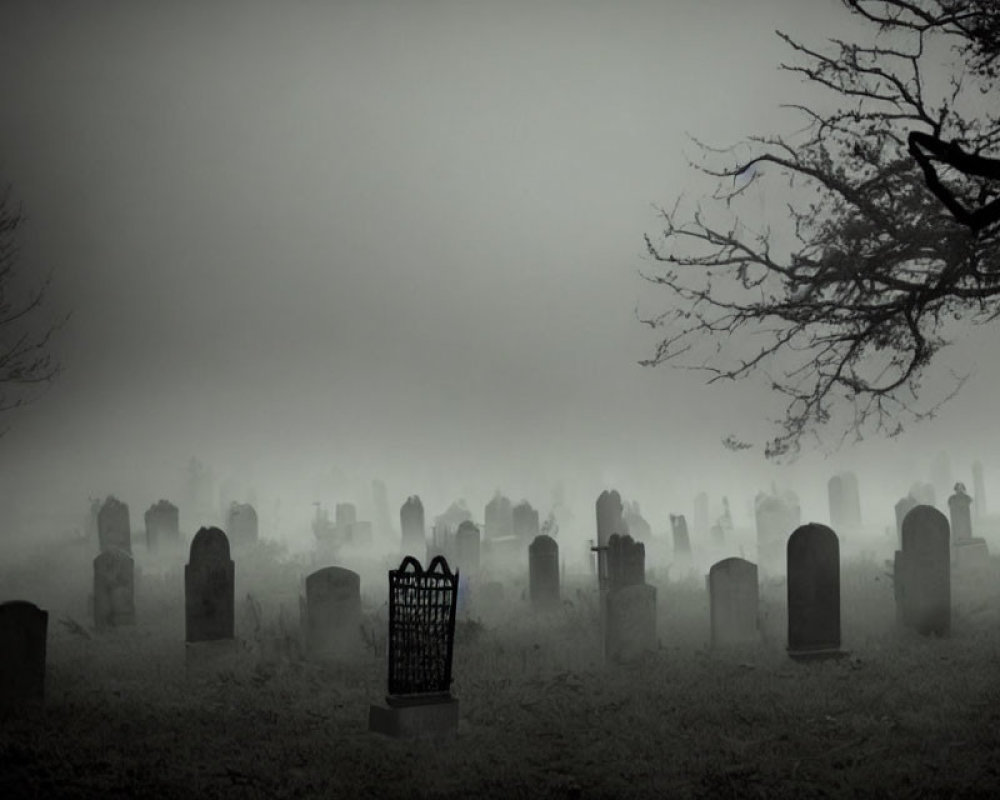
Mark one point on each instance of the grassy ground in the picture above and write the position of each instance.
(541, 714)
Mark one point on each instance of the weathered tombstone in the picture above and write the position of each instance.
(904, 507)
(411, 520)
(682, 542)
(333, 613)
(609, 516)
(960, 513)
(733, 596)
(241, 523)
(114, 589)
(422, 608)
(543, 573)
(498, 518)
(467, 547)
(114, 531)
(924, 577)
(626, 561)
(813, 592)
(23, 637)
(162, 526)
(525, 521)
(979, 487)
(209, 586)
(775, 519)
(630, 622)
(701, 514)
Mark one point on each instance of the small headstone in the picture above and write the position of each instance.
(411, 520)
(114, 590)
(498, 518)
(162, 526)
(525, 521)
(241, 523)
(924, 577)
(626, 562)
(636, 525)
(209, 586)
(813, 554)
(467, 547)
(733, 595)
(960, 512)
(610, 519)
(682, 542)
(543, 566)
(23, 637)
(114, 531)
(333, 613)
(776, 518)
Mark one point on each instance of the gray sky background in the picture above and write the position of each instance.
(394, 239)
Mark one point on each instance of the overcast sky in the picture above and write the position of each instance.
(395, 239)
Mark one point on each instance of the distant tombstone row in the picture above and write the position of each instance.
(922, 572)
(498, 518)
(969, 550)
(468, 547)
(114, 530)
(524, 521)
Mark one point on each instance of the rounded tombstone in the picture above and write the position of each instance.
(543, 572)
(333, 612)
(813, 554)
(733, 596)
(209, 588)
(467, 547)
(924, 573)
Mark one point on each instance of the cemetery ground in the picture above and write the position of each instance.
(541, 714)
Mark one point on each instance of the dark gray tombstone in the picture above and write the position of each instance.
(422, 606)
(682, 541)
(467, 547)
(701, 525)
(241, 522)
(114, 531)
(525, 521)
(610, 516)
(924, 578)
(626, 561)
(630, 622)
(902, 508)
(114, 590)
(733, 596)
(209, 586)
(543, 573)
(162, 526)
(23, 637)
(813, 553)
(979, 487)
(498, 518)
(411, 520)
(960, 513)
(333, 614)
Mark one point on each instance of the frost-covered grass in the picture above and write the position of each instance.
(541, 714)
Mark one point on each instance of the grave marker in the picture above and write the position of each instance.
(114, 590)
(241, 523)
(543, 567)
(23, 639)
(924, 577)
(333, 613)
(209, 586)
(411, 520)
(813, 553)
(733, 595)
(162, 526)
(114, 531)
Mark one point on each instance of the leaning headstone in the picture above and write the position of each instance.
(979, 487)
(114, 531)
(630, 622)
(813, 554)
(209, 586)
(924, 576)
(23, 632)
(411, 520)
(422, 607)
(333, 613)
(543, 573)
(114, 590)
(679, 530)
(241, 523)
(162, 526)
(733, 596)
(467, 547)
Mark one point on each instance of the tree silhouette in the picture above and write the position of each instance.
(887, 237)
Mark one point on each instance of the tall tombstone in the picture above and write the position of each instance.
(733, 596)
(411, 521)
(241, 522)
(23, 638)
(701, 523)
(923, 572)
(422, 606)
(979, 487)
(682, 541)
(543, 573)
(498, 518)
(813, 554)
(114, 590)
(209, 587)
(610, 516)
(468, 546)
(960, 514)
(162, 526)
(525, 521)
(902, 508)
(114, 531)
(333, 613)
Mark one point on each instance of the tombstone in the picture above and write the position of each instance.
(209, 586)
(333, 613)
(162, 526)
(114, 531)
(701, 525)
(979, 487)
(241, 522)
(924, 576)
(733, 596)
(630, 621)
(636, 525)
(960, 513)
(609, 516)
(626, 562)
(813, 554)
(23, 637)
(543, 573)
(411, 520)
(904, 507)
(775, 520)
(525, 521)
(682, 542)
(467, 547)
(422, 607)
(114, 590)
(498, 518)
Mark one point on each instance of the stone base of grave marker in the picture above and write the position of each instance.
(970, 554)
(630, 622)
(427, 717)
(817, 655)
(211, 656)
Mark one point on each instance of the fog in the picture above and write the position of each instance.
(314, 244)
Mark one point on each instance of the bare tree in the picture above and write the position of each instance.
(846, 301)
(26, 360)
